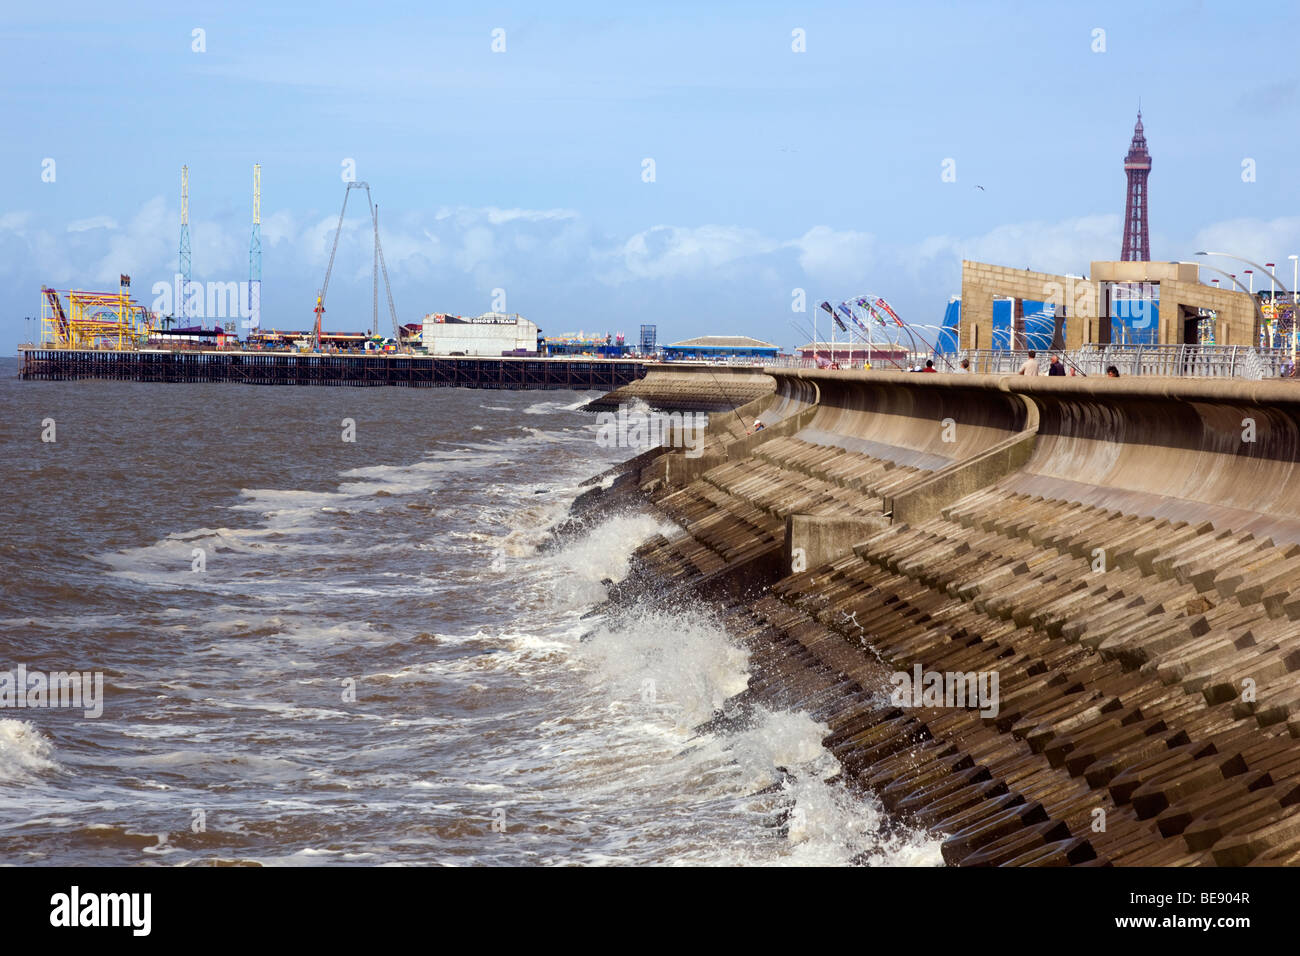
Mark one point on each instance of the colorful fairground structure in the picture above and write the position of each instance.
(94, 320)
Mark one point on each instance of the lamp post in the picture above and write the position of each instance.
(1247, 262)
(1295, 308)
(1272, 304)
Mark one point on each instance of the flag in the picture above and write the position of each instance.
(881, 303)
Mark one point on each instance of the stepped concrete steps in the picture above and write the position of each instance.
(1139, 753)
(1267, 665)
(1194, 662)
(1207, 804)
(1182, 540)
(796, 454)
(1277, 701)
(1220, 541)
(835, 465)
(1276, 833)
(1273, 579)
(1155, 633)
(781, 495)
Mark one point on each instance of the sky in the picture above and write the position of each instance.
(701, 167)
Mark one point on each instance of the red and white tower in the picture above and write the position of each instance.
(1137, 166)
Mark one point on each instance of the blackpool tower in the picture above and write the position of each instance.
(1137, 166)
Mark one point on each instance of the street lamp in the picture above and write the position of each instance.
(1247, 262)
(1295, 310)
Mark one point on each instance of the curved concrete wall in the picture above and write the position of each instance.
(1177, 448)
(793, 395)
(901, 416)
(1164, 443)
(704, 388)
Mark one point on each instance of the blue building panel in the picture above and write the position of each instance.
(1135, 321)
(949, 340)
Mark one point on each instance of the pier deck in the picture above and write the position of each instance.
(288, 368)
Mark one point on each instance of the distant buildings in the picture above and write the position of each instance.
(608, 345)
(492, 334)
(853, 352)
(714, 347)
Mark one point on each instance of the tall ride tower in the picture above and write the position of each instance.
(1137, 167)
(183, 307)
(255, 255)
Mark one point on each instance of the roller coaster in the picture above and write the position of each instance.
(110, 321)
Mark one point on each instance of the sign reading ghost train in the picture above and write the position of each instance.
(492, 334)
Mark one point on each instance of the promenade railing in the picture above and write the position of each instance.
(1201, 361)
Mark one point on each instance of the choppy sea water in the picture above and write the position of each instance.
(376, 663)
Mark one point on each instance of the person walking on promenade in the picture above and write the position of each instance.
(1031, 364)
(929, 366)
(1054, 367)
(1112, 371)
(965, 367)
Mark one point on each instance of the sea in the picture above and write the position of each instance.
(333, 627)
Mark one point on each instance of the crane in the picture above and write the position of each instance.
(379, 263)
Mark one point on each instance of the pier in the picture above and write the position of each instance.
(287, 368)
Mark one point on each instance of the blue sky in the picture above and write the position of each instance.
(523, 170)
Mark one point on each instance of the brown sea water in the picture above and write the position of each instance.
(377, 663)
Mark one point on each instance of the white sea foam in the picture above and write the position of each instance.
(25, 753)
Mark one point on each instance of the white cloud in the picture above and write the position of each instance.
(94, 222)
(667, 252)
(1060, 247)
(498, 216)
(836, 256)
(1256, 239)
(14, 221)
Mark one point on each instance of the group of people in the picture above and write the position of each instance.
(1030, 367)
(1054, 367)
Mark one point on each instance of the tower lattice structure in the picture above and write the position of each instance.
(183, 266)
(255, 255)
(1137, 167)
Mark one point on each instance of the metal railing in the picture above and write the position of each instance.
(1201, 361)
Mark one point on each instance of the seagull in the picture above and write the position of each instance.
(981, 189)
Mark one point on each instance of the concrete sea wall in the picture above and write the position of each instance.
(1117, 560)
(705, 388)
